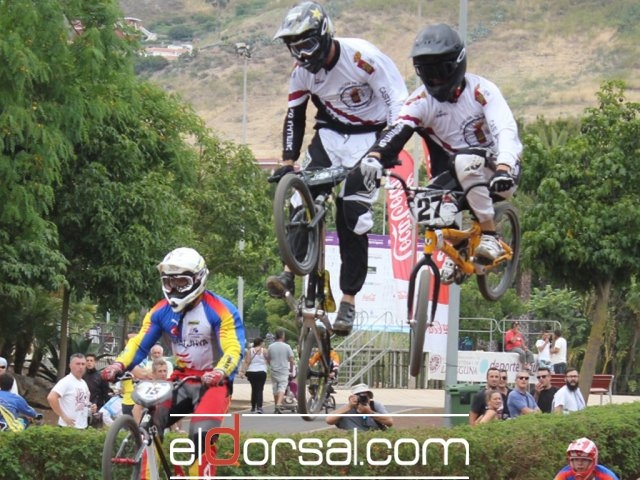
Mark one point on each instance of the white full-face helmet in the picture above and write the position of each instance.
(184, 274)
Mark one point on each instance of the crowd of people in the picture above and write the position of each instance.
(522, 399)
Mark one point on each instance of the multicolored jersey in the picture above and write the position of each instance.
(209, 335)
(600, 473)
(333, 356)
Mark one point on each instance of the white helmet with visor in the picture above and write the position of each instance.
(184, 274)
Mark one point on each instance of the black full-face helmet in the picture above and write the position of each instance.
(308, 32)
(440, 60)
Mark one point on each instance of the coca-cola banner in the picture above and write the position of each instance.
(400, 223)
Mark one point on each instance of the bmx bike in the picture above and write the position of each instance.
(435, 208)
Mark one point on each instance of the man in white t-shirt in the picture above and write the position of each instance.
(69, 398)
(543, 346)
(569, 398)
(559, 353)
(4, 367)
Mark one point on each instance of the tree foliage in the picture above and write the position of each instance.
(582, 230)
(103, 173)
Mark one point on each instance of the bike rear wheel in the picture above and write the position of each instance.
(122, 451)
(293, 210)
(494, 283)
(419, 326)
(312, 386)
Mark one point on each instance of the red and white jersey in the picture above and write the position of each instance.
(363, 88)
(480, 117)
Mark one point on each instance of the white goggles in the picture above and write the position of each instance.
(179, 283)
(305, 47)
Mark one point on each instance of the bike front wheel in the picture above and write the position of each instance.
(122, 451)
(419, 326)
(495, 282)
(293, 211)
(312, 386)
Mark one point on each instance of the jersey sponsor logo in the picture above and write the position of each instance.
(355, 95)
(362, 64)
(476, 134)
(479, 96)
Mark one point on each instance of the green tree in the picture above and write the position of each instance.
(583, 229)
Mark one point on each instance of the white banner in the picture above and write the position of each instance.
(473, 365)
(382, 302)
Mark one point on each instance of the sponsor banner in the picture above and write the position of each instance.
(473, 365)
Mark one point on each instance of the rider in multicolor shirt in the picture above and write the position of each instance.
(207, 338)
(582, 459)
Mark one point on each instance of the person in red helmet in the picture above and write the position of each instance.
(582, 463)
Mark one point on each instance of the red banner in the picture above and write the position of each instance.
(400, 223)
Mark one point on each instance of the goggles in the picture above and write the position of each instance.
(437, 73)
(305, 47)
(179, 283)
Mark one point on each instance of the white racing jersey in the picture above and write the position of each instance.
(360, 91)
(480, 117)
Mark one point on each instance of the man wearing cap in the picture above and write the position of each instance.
(4, 366)
(361, 412)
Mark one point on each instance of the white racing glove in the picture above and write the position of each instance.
(371, 170)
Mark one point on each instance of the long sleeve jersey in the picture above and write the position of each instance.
(361, 91)
(479, 118)
(209, 335)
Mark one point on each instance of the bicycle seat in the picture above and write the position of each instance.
(149, 393)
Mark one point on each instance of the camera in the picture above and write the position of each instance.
(363, 399)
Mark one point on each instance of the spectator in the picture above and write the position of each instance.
(334, 364)
(255, 368)
(559, 353)
(582, 463)
(520, 401)
(281, 361)
(514, 342)
(112, 409)
(494, 410)
(569, 398)
(157, 352)
(371, 414)
(99, 390)
(357, 91)
(504, 390)
(543, 345)
(4, 368)
(479, 403)
(70, 397)
(544, 391)
(12, 402)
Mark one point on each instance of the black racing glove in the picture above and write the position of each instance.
(501, 181)
(279, 173)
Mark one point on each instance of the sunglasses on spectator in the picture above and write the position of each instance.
(541, 376)
(523, 378)
(3, 368)
(503, 378)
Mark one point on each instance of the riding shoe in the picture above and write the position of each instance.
(344, 320)
(279, 285)
(489, 248)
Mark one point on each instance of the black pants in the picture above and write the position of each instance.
(257, 381)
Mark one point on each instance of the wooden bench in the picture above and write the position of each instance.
(600, 385)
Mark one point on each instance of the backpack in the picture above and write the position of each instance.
(13, 424)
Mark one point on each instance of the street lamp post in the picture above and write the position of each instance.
(243, 50)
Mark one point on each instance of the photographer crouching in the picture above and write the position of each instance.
(361, 412)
